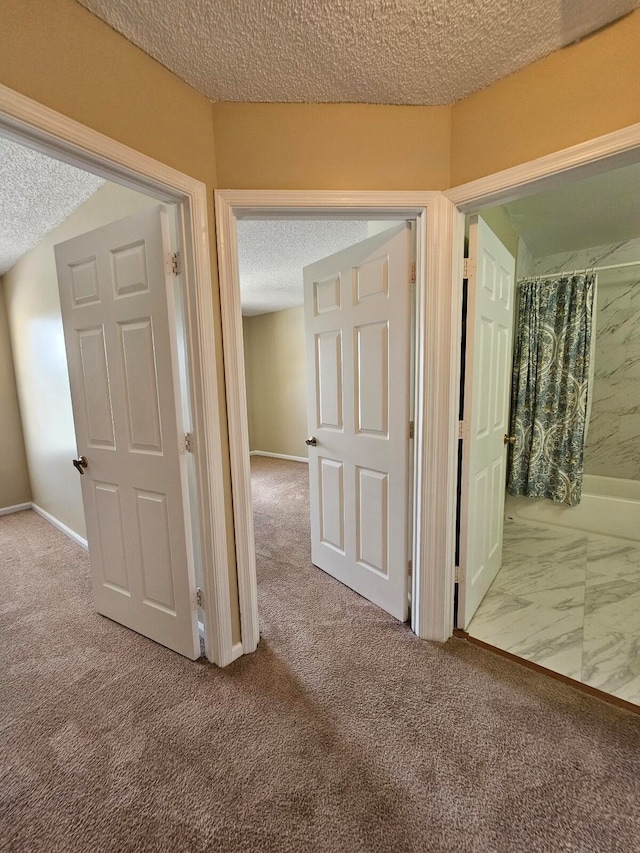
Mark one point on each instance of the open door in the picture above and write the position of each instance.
(488, 359)
(116, 290)
(357, 324)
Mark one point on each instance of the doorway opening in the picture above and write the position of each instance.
(37, 129)
(432, 541)
(328, 341)
(556, 559)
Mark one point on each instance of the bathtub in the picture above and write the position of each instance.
(609, 506)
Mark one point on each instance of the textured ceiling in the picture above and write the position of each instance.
(362, 51)
(36, 194)
(273, 253)
(590, 212)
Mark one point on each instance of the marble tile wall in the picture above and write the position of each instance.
(613, 440)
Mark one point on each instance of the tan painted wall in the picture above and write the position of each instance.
(331, 146)
(58, 53)
(583, 91)
(35, 322)
(246, 330)
(14, 475)
(276, 383)
(62, 56)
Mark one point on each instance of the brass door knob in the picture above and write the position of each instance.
(509, 439)
(80, 464)
(311, 441)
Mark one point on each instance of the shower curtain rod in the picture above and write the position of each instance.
(588, 269)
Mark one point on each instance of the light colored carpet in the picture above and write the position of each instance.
(343, 732)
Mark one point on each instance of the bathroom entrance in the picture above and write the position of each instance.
(549, 548)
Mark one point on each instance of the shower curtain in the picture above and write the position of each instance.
(550, 388)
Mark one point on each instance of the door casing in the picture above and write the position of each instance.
(611, 151)
(35, 126)
(436, 366)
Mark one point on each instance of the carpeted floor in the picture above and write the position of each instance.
(343, 732)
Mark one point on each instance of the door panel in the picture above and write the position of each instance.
(329, 379)
(140, 386)
(358, 333)
(115, 294)
(371, 496)
(332, 504)
(371, 379)
(486, 410)
(97, 396)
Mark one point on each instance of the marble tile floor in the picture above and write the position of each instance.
(569, 601)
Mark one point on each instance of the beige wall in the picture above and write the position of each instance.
(14, 476)
(331, 146)
(35, 323)
(276, 382)
(58, 53)
(247, 378)
(575, 94)
(583, 91)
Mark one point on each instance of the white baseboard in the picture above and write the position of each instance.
(236, 651)
(7, 510)
(62, 527)
(279, 456)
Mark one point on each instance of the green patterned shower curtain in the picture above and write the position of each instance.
(550, 388)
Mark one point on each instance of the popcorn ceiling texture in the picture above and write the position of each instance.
(36, 194)
(361, 51)
(273, 253)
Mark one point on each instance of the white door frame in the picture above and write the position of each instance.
(613, 150)
(38, 127)
(438, 335)
(437, 319)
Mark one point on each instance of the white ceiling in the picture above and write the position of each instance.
(362, 51)
(273, 253)
(590, 212)
(36, 194)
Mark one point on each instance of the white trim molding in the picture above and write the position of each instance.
(437, 322)
(237, 651)
(8, 510)
(60, 526)
(611, 151)
(43, 129)
(279, 456)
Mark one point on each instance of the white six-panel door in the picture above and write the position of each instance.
(491, 290)
(115, 293)
(357, 338)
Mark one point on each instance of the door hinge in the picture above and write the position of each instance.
(409, 568)
(456, 576)
(460, 429)
(412, 272)
(173, 264)
(411, 429)
(469, 268)
(199, 597)
(185, 443)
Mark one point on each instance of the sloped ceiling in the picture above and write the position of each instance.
(273, 253)
(37, 193)
(593, 211)
(361, 51)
